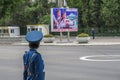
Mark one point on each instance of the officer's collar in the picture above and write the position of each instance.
(31, 49)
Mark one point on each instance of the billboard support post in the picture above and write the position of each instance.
(68, 36)
(60, 36)
(60, 5)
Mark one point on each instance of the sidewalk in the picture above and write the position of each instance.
(96, 41)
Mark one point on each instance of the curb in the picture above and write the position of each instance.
(70, 44)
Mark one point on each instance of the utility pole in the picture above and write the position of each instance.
(62, 3)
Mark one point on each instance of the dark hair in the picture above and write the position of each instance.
(58, 11)
(34, 45)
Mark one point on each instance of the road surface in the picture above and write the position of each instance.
(63, 62)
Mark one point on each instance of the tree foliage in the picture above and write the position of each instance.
(103, 15)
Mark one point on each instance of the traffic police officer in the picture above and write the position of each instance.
(33, 63)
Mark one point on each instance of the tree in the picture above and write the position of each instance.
(7, 8)
(111, 14)
(101, 14)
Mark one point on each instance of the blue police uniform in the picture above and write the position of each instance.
(33, 62)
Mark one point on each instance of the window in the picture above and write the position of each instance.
(5, 30)
(0, 31)
(32, 29)
(40, 29)
(28, 29)
(12, 30)
(36, 29)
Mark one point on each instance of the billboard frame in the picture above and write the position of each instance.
(64, 19)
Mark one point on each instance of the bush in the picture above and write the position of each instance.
(48, 35)
(83, 35)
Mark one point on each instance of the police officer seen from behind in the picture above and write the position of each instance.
(33, 63)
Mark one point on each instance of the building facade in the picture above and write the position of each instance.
(9, 31)
(43, 28)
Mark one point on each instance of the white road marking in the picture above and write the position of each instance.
(91, 58)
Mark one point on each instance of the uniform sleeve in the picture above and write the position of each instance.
(39, 67)
(25, 66)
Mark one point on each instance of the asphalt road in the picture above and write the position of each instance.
(63, 63)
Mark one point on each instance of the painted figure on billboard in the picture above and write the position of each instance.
(57, 19)
(63, 20)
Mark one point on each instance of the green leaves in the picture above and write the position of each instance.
(92, 13)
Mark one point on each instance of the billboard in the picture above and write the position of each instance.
(64, 19)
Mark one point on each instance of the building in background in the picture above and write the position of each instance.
(43, 28)
(9, 31)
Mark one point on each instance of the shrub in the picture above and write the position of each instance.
(83, 35)
(48, 35)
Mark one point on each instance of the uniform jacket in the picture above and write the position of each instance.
(33, 66)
